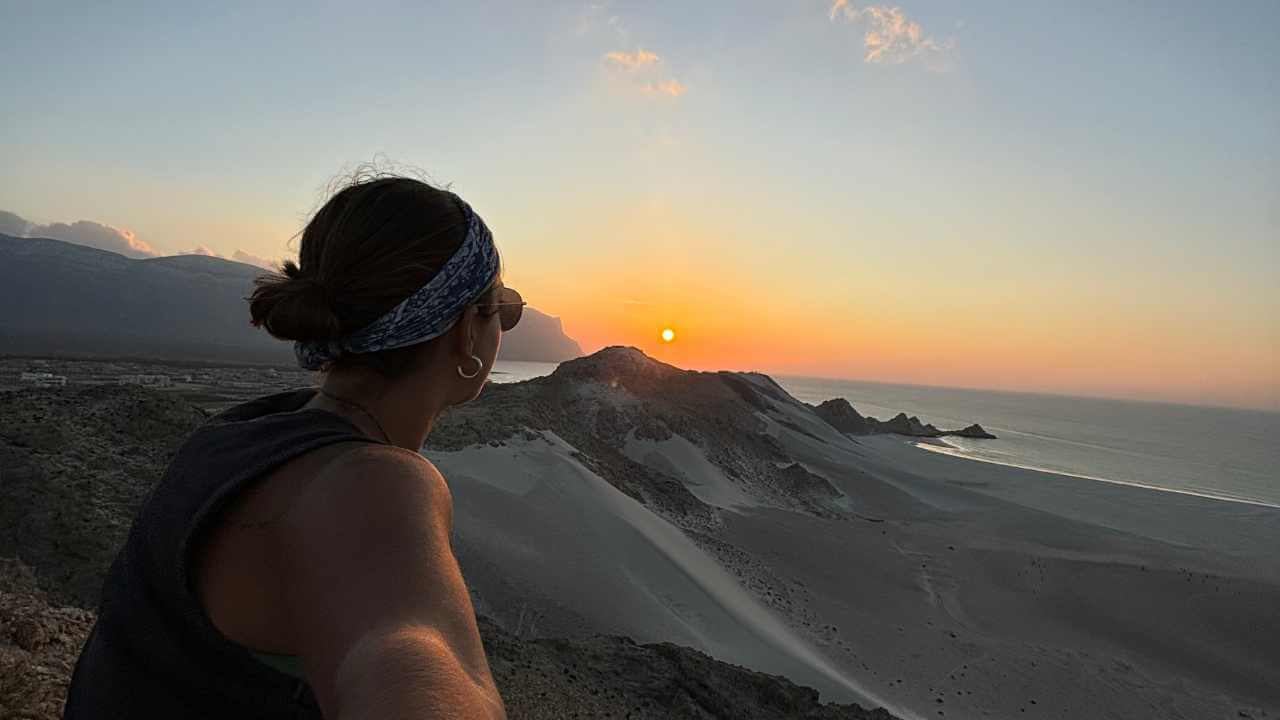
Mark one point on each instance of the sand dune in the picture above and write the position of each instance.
(945, 587)
(680, 458)
(582, 544)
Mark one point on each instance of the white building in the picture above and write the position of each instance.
(158, 381)
(42, 379)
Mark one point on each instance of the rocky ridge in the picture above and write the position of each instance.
(596, 403)
(841, 415)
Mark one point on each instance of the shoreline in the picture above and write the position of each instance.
(1020, 578)
(952, 451)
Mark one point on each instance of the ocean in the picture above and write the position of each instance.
(1216, 452)
(1224, 453)
(519, 370)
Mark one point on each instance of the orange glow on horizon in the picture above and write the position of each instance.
(751, 304)
(1028, 352)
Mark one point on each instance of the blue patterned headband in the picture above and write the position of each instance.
(429, 312)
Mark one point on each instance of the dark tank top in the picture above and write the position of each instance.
(154, 651)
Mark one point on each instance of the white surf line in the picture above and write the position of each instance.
(956, 452)
(718, 584)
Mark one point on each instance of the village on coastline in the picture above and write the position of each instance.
(206, 385)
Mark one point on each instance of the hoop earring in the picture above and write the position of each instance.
(479, 367)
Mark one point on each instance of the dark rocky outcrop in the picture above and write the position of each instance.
(74, 463)
(900, 424)
(840, 414)
(610, 676)
(795, 480)
(973, 431)
(594, 403)
(40, 641)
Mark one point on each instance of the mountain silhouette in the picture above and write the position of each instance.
(59, 297)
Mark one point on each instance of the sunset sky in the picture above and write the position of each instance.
(1059, 197)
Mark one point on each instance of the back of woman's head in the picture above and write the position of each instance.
(369, 247)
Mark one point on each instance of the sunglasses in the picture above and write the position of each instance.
(509, 306)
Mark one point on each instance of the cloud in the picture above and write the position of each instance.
(672, 87)
(81, 232)
(95, 235)
(11, 224)
(239, 256)
(642, 70)
(244, 257)
(105, 237)
(632, 61)
(891, 37)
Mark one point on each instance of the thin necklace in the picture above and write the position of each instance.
(361, 408)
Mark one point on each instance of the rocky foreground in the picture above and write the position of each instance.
(600, 677)
(76, 463)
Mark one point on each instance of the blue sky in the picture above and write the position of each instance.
(1002, 180)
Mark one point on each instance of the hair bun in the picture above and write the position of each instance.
(292, 306)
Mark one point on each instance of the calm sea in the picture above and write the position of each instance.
(1217, 452)
(519, 370)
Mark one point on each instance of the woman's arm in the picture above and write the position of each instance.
(383, 621)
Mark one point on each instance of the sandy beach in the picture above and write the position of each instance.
(1000, 591)
(945, 588)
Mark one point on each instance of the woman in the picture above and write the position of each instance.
(294, 561)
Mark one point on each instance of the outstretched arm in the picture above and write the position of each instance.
(384, 624)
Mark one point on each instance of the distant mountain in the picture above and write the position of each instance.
(58, 297)
(540, 338)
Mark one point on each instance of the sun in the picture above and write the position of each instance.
(668, 335)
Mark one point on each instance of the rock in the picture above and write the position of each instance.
(973, 431)
(610, 676)
(796, 480)
(628, 367)
(840, 415)
(39, 644)
(60, 507)
(600, 402)
(903, 425)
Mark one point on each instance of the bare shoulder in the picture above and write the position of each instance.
(380, 482)
(383, 461)
(367, 557)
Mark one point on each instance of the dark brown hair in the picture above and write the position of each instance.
(370, 246)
